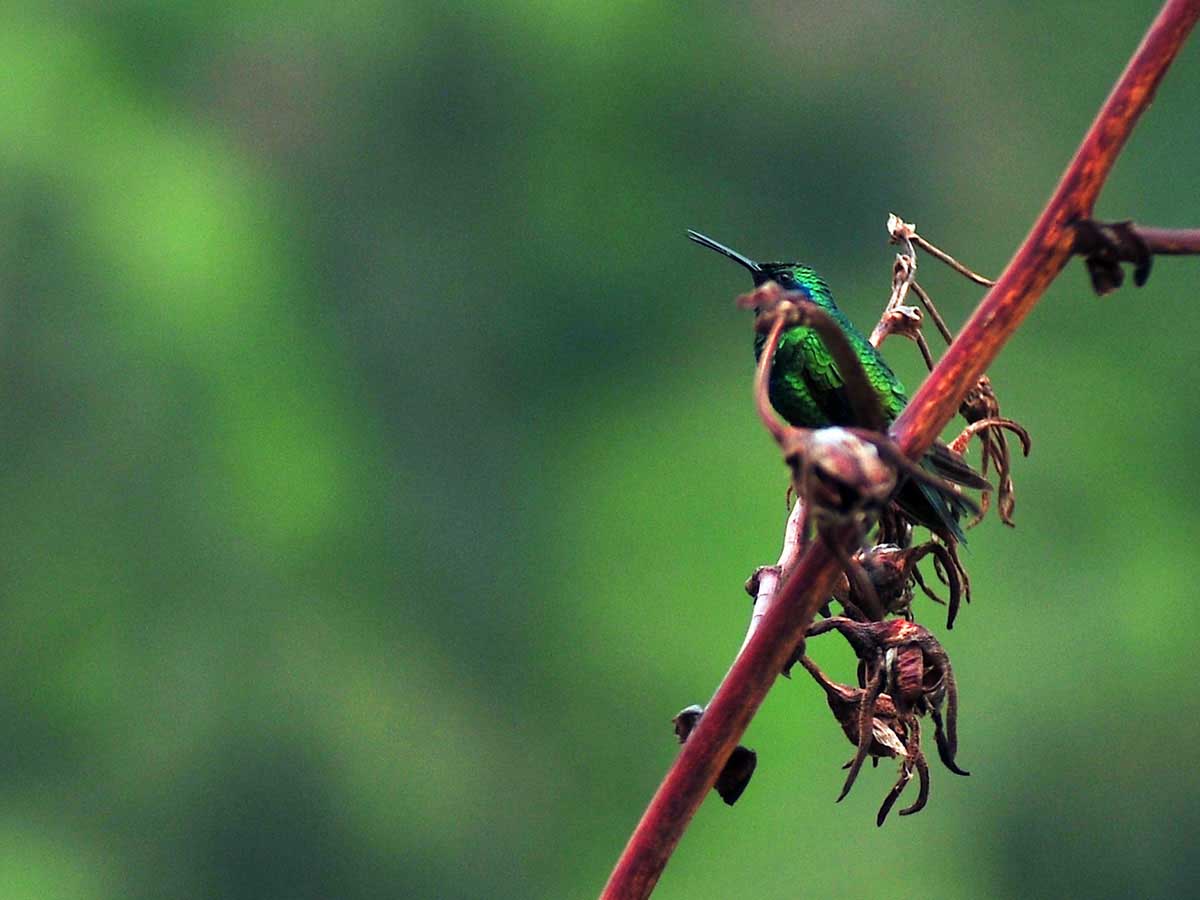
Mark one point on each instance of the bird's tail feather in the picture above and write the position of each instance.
(940, 510)
(942, 461)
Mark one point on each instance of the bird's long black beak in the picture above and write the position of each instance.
(747, 262)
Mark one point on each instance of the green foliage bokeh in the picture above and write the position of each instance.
(380, 476)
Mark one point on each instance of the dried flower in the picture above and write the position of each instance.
(875, 723)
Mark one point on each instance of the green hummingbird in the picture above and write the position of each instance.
(808, 391)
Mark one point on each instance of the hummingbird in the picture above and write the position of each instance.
(808, 391)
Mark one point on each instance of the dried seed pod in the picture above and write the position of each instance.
(735, 774)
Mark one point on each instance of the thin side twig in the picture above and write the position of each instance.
(766, 580)
(1105, 245)
(899, 230)
(898, 318)
(951, 261)
(927, 302)
(1170, 241)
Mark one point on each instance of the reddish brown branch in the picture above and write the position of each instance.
(722, 725)
(1038, 261)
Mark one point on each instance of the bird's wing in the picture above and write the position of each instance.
(828, 386)
(821, 378)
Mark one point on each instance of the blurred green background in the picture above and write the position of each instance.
(380, 476)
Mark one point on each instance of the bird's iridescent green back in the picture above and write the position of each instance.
(806, 386)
